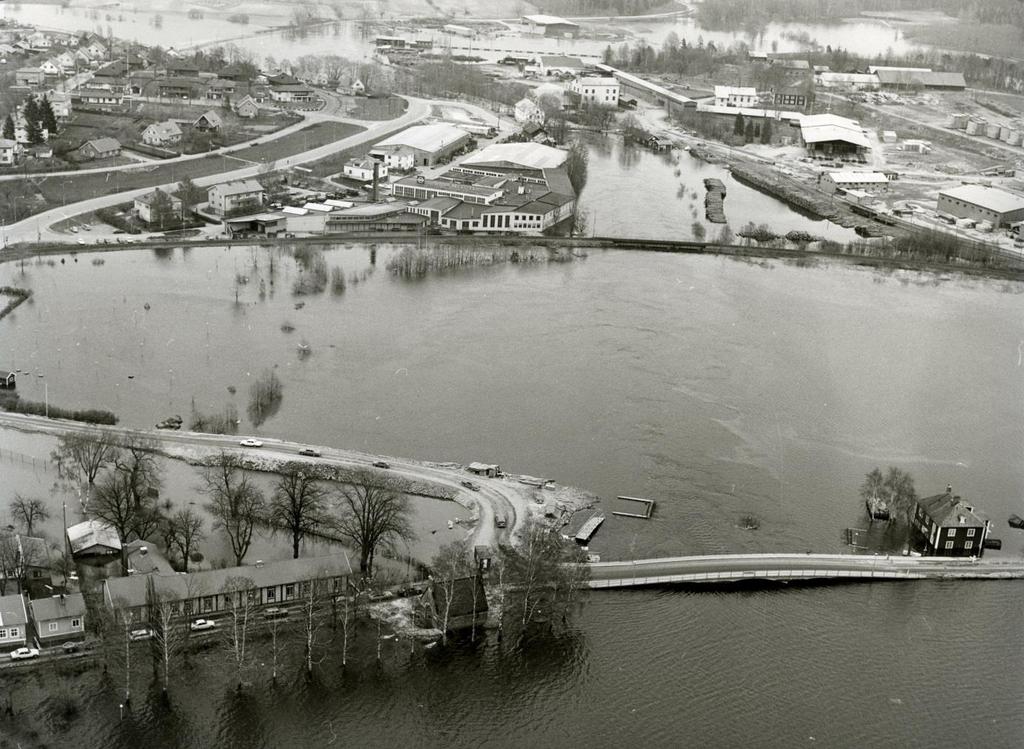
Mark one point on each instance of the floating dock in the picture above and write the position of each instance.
(645, 515)
(589, 528)
(714, 201)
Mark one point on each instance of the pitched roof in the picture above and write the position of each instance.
(724, 92)
(819, 128)
(991, 198)
(213, 118)
(948, 510)
(132, 590)
(525, 155)
(103, 144)
(240, 187)
(165, 129)
(148, 199)
(12, 610)
(858, 177)
(426, 137)
(92, 533)
(561, 61)
(58, 607)
(542, 20)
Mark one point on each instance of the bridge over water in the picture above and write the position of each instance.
(723, 568)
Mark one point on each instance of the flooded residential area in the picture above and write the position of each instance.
(578, 374)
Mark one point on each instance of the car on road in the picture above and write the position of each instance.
(309, 452)
(71, 647)
(381, 464)
(201, 625)
(140, 634)
(250, 442)
(470, 485)
(24, 653)
(275, 613)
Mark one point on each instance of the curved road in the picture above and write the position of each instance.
(493, 497)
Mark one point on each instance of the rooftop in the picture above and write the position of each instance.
(562, 61)
(853, 176)
(240, 187)
(542, 20)
(819, 128)
(92, 533)
(425, 137)
(596, 80)
(58, 607)
(12, 610)
(724, 92)
(103, 144)
(462, 188)
(523, 155)
(949, 509)
(992, 198)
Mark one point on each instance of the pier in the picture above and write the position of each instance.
(648, 505)
(730, 568)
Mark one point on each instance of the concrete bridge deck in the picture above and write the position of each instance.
(722, 568)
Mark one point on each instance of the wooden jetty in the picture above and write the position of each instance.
(714, 200)
(645, 515)
(589, 528)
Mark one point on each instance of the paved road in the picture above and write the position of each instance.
(493, 495)
(738, 567)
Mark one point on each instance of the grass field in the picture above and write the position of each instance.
(23, 198)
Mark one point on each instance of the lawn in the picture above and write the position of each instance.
(36, 194)
(365, 108)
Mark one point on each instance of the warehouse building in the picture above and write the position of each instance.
(854, 180)
(980, 203)
(551, 26)
(830, 134)
(428, 145)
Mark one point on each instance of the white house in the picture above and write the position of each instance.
(358, 89)
(66, 61)
(596, 91)
(50, 67)
(527, 110)
(8, 152)
(13, 622)
(162, 134)
(60, 102)
(736, 96)
(39, 40)
(247, 107)
(96, 50)
(362, 169)
(144, 205)
(233, 196)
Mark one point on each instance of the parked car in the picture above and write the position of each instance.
(24, 653)
(140, 634)
(309, 452)
(470, 485)
(250, 442)
(201, 625)
(381, 464)
(275, 613)
(71, 647)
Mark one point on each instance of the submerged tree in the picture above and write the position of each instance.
(240, 600)
(27, 511)
(235, 502)
(82, 456)
(265, 396)
(896, 488)
(373, 514)
(451, 563)
(298, 505)
(184, 532)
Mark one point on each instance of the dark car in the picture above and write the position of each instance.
(71, 647)
(381, 464)
(309, 452)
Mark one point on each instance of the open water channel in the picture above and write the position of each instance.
(717, 387)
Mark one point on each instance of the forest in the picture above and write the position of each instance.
(598, 7)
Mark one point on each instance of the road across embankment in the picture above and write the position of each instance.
(491, 496)
(730, 568)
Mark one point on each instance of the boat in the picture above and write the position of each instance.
(877, 508)
(1016, 521)
(992, 543)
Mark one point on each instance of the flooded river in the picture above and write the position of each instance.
(717, 387)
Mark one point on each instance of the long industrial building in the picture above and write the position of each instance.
(981, 203)
(421, 145)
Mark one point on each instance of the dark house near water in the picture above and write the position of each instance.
(8, 381)
(947, 526)
(468, 603)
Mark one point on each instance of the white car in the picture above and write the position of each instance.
(250, 443)
(140, 634)
(24, 653)
(201, 625)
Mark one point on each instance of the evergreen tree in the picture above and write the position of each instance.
(33, 132)
(748, 135)
(739, 124)
(8, 132)
(31, 109)
(46, 115)
(766, 132)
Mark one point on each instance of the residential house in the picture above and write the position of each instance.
(209, 120)
(527, 110)
(99, 148)
(736, 96)
(459, 604)
(298, 93)
(135, 61)
(247, 107)
(27, 563)
(96, 50)
(30, 77)
(357, 88)
(947, 526)
(144, 205)
(60, 103)
(7, 50)
(247, 195)
(162, 134)
(209, 592)
(67, 62)
(13, 622)
(179, 88)
(9, 150)
(235, 72)
(41, 151)
(362, 169)
(58, 618)
(99, 97)
(93, 540)
(599, 91)
(40, 40)
(8, 380)
(219, 88)
(182, 69)
(51, 68)
(21, 128)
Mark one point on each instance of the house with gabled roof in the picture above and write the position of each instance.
(209, 120)
(946, 525)
(247, 107)
(99, 148)
(13, 622)
(59, 618)
(162, 134)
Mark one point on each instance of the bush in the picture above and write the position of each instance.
(11, 401)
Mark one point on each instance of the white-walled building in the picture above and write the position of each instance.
(427, 144)
(600, 91)
(527, 110)
(225, 198)
(162, 134)
(736, 96)
(855, 180)
(362, 169)
(8, 152)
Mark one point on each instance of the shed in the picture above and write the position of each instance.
(489, 470)
(8, 380)
(93, 538)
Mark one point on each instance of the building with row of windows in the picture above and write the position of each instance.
(42, 621)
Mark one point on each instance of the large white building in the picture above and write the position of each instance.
(855, 180)
(735, 96)
(501, 158)
(246, 195)
(596, 91)
(427, 144)
(981, 203)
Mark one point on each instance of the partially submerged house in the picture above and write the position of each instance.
(463, 600)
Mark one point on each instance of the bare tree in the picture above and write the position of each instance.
(114, 505)
(240, 598)
(184, 532)
(373, 514)
(136, 462)
(83, 456)
(896, 487)
(449, 565)
(235, 503)
(299, 505)
(274, 627)
(10, 561)
(28, 511)
(315, 594)
(163, 620)
(123, 624)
